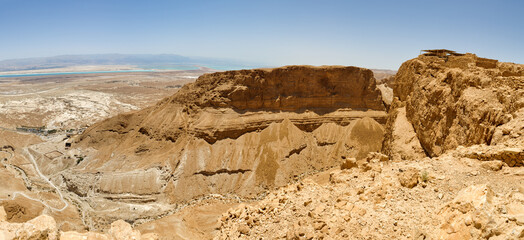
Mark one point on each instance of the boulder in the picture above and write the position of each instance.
(409, 178)
(477, 213)
(120, 230)
(41, 227)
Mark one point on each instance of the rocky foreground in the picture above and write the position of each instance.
(453, 170)
(310, 153)
(44, 227)
(430, 198)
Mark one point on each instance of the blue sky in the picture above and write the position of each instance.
(373, 34)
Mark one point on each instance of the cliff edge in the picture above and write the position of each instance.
(235, 132)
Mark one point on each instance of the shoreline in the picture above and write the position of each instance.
(70, 73)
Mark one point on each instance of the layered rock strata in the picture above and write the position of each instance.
(233, 133)
(461, 100)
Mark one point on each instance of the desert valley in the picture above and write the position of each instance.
(434, 150)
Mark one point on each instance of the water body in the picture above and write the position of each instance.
(67, 73)
(149, 68)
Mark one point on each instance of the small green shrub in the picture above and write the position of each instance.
(79, 159)
(424, 176)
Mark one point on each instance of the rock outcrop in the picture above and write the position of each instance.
(460, 100)
(477, 213)
(292, 88)
(44, 227)
(236, 132)
(41, 227)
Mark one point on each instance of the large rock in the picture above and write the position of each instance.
(44, 227)
(477, 213)
(458, 100)
(40, 228)
(409, 178)
(121, 230)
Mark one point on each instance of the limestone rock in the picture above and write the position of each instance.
(401, 141)
(512, 156)
(44, 227)
(387, 94)
(511, 134)
(286, 89)
(349, 163)
(373, 204)
(41, 227)
(457, 100)
(492, 165)
(120, 230)
(3, 215)
(4, 235)
(376, 157)
(470, 209)
(409, 178)
(477, 212)
(235, 132)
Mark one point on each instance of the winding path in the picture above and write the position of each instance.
(32, 159)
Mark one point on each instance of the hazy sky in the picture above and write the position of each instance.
(373, 34)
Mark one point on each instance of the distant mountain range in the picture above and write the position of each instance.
(151, 61)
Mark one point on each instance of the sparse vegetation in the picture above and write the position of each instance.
(79, 159)
(424, 176)
(52, 131)
(31, 129)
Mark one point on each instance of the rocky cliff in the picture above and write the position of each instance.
(236, 132)
(292, 88)
(449, 112)
(460, 100)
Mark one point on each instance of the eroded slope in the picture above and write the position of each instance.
(235, 133)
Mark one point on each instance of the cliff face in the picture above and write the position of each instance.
(459, 100)
(457, 109)
(292, 88)
(235, 132)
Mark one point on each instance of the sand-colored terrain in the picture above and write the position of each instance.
(64, 105)
(298, 152)
(65, 102)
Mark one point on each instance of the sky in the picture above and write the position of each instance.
(371, 33)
